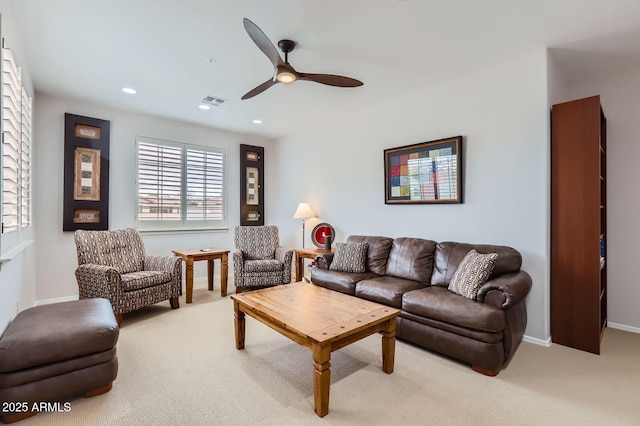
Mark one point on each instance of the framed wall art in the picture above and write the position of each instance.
(427, 172)
(86, 173)
(323, 235)
(251, 185)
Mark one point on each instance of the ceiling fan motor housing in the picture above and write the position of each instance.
(286, 46)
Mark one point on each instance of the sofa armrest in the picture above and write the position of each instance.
(506, 290)
(237, 256)
(162, 263)
(98, 281)
(238, 266)
(323, 261)
(284, 255)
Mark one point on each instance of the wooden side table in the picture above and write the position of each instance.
(209, 254)
(306, 253)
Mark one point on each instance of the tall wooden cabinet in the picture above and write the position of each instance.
(578, 224)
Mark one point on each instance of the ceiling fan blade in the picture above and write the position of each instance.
(331, 80)
(263, 42)
(259, 89)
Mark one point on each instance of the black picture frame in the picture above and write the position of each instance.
(424, 173)
(86, 173)
(251, 185)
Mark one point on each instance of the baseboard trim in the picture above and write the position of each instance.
(548, 341)
(623, 327)
(536, 341)
(56, 300)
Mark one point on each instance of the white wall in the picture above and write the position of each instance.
(558, 86)
(620, 98)
(558, 91)
(55, 250)
(503, 114)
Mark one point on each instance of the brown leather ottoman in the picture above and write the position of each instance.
(51, 353)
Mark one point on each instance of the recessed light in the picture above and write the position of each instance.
(204, 107)
(256, 121)
(129, 90)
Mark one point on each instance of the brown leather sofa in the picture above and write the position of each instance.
(413, 274)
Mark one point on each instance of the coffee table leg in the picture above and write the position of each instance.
(389, 346)
(238, 317)
(210, 270)
(299, 267)
(321, 378)
(189, 270)
(224, 272)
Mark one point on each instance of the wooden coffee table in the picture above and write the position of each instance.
(321, 320)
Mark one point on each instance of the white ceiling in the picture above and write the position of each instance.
(90, 49)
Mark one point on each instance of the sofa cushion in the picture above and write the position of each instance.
(443, 305)
(386, 290)
(412, 259)
(349, 257)
(473, 271)
(378, 252)
(143, 279)
(264, 265)
(448, 256)
(344, 282)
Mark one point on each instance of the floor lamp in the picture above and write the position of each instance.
(303, 212)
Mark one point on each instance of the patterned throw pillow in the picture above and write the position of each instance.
(473, 271)
(349, 257)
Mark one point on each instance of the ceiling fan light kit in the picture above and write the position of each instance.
(285, 75)
(283, 71)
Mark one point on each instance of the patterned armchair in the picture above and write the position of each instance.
(259, 261)
(113, 265)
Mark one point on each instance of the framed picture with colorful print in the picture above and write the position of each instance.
(424, 173)
(251, 185)
(86, 173)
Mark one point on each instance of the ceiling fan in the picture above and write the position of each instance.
(283, 71)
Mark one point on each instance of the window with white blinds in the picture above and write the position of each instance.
(16, 148)
(180, 186)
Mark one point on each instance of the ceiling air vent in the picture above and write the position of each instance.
(213, 101)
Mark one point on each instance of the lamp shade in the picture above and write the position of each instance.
(303, 211)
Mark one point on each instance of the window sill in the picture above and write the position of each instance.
(11, 253)
(180, 231)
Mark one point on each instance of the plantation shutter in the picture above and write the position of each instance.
(159, 182)
(204, 185)
(11, 105)
(25, 162)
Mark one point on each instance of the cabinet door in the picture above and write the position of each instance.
(576, 224)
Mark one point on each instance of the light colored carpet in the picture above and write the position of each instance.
(180, 367)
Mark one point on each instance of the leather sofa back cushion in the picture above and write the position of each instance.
(378, 252)
(448, 256)
(412, 259)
